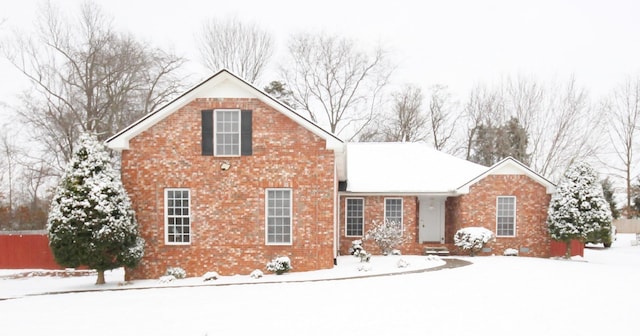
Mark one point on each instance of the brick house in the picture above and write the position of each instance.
(224, 178)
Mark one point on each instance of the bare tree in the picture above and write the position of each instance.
(484, 109)
(243, 48)
(564, 130)
(622, 110)
(88, 78)
(407, 123)
(441, 119)
(335, 82)
(9, 157)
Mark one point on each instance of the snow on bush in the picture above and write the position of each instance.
(210, 276)
(356, 247)
(167, 278)
(177, 272)
(365, 268)
(578, 207)
(402, 263)
(510, 252)
(363, 255)
(279, 265)
(396, 252)
(386, 235)
(472, 239)
(256, 274)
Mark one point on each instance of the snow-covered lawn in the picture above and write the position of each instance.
(599, 295)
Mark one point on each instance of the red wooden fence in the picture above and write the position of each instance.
(559, 248)
(26, 249)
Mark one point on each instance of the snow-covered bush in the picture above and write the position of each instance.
(472, 239)
(396, 252)
(402, 263)
(210, 276)
(177, 272)
(167, 278)
(91, 221)
(510, 252)
(365, 268)
(578, 209)
(256, 274)
(356, 247)
(386, 235)
(279, 265)
(363, 255)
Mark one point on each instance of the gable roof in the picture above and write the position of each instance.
(405, 168)
(222, 84)
(509, 166)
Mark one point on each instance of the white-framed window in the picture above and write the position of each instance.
(177, 216)
(393, 211)
(354, 217)
(226, 132)
(278, 215)
(506, 216)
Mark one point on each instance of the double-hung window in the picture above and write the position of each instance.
(278, 216)
(227, 132)
(354, 218)
(393, 211)
(506, 216)
(177, 216)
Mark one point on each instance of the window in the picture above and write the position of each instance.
(354, 220)
(506, 216)
(278, 209)
(177, 216)
(227, 132)
(393, 211)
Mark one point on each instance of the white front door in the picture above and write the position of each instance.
(431, 219)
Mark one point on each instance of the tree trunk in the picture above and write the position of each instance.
(100, 280)
(567, 253)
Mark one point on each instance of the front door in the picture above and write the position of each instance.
(431, 219)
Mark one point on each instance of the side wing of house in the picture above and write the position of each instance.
(510, 200)
(226, 180)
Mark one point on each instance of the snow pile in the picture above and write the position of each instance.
(511, 252)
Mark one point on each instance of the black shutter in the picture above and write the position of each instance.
(207, 132)
(246, 132)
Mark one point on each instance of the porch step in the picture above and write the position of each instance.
(441, 251)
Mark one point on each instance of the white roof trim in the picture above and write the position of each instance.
(228, 83)
(509, 166)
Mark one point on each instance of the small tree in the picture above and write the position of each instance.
(578, 208)
(387, 235)
(91, 221)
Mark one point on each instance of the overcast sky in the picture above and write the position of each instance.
(458, 43)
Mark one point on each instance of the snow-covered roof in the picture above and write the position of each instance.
(405, 168)
(222, 84)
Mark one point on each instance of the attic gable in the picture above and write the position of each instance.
(223, 84)
(509, 166)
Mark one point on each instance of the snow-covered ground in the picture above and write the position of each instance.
(596, 295)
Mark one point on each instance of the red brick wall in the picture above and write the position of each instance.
(374, 211)
(228, 207)
(478, 208)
